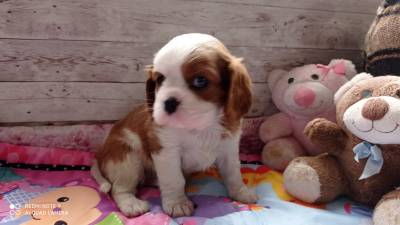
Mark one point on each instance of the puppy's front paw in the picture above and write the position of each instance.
(178, 208)
(244, 195)
(132, 206)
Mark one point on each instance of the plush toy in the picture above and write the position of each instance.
(382, 42)
(301, 94)
(363, 150)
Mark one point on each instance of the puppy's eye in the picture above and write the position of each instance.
(160, 79)
(315, 76)
(398, 93)
(63, 199)
(290, 80)
(199, 82)
(366, 93)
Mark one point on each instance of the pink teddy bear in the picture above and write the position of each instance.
(302, 94)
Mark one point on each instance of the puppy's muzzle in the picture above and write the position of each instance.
(170, 105)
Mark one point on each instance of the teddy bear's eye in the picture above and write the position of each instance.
(366, 93)
(290, 80)
(315, 77)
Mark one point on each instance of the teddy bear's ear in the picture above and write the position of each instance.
(274, 76)
(349, 67)
(347, 86)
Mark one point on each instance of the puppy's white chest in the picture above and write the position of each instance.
(199, 150)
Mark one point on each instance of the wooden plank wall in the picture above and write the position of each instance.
(83, 60)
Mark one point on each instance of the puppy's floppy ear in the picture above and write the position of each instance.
(239, 98)
(150, 88)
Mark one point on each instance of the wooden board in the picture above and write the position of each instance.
(74, 60)
(347, 6)
(49, 60)
(23, 102)
(77, 61)
(158, 21)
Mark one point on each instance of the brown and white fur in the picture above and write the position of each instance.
(168, 139)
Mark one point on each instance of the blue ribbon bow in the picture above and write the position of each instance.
(375, 160)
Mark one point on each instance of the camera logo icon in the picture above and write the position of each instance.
(14, 208)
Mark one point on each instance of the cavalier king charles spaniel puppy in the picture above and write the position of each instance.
(197, 94)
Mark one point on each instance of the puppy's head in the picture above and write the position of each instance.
(195, 82)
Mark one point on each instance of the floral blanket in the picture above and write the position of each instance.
(55, 188)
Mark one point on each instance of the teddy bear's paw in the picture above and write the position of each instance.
(326, 135)
(316, 126)
(387, 212)
(302, 181)
(277, 154)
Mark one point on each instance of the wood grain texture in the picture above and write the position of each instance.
(49, 60)
(79, 101)
(74, 60)
(347, 6)
(158, 21)
(50, 101)
(77, 61)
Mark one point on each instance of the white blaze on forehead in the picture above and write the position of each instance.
(169, 59)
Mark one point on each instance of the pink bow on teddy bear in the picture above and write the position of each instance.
(338, 69)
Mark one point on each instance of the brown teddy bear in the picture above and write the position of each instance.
(363, 159)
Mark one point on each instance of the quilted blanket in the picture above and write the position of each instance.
(41, 189)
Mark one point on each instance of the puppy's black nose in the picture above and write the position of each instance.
(170, 105)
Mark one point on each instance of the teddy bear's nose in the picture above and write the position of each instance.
(375, 109)
(304, 97)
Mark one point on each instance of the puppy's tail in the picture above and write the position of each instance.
(104, 184)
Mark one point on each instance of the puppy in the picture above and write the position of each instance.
(197, 94)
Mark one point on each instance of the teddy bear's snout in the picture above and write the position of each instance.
(375, 109)
(304, 97)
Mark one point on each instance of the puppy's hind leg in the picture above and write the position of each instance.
(104, 184)
(125, 175)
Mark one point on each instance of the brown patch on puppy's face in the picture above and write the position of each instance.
(214, 75)
(205, 75)
(153, 83)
